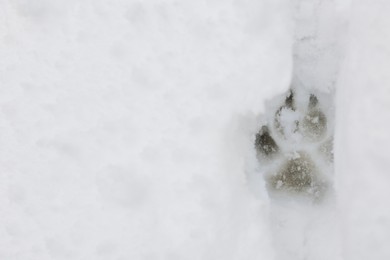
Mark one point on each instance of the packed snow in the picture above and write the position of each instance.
(128, 128)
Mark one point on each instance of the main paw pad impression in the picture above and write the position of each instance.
(295, 144)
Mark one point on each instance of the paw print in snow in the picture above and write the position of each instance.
(295, 150)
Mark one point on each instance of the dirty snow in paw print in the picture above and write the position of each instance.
(290, 144)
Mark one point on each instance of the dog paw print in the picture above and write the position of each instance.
(295, 146)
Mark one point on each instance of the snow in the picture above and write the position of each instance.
(299, 175)
(362, 133)
(127, 128)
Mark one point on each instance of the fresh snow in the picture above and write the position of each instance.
(127, 128)
(362, 134)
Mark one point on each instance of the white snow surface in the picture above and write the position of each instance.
(127, 128)
(362, 133)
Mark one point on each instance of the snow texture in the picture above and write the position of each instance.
(362, 133)
(127, 128)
